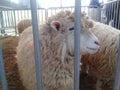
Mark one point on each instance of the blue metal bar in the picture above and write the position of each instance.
(116, 17)
(2, 21)
(117, 72)
(118, 24)
(15, 22)
(2, 71)
(36, 44)
(46, 14)
(77, 44)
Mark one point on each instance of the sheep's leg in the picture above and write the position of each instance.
(98, 85)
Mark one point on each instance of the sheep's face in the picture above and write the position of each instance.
(88, 41)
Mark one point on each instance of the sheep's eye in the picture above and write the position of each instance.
(71, 28)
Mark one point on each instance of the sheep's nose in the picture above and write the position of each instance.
(96, 42)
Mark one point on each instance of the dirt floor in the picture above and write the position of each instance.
(9, 51)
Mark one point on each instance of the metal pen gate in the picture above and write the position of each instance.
(77, 52)
(45, 14)
(110, 13)
(37, 45)
(10, 17)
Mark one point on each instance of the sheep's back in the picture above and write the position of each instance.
(23, 24)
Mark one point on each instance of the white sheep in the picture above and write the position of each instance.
(57, 52)
(102, 64)
(23, 24)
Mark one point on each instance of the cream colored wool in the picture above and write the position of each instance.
(23, 24)
(56, 55)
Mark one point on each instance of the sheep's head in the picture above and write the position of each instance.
(61, 30)
(88, 41)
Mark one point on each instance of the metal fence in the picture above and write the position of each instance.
(111, 14)
(76, 52)
(10, 17)
(108, 13)
(37, 45)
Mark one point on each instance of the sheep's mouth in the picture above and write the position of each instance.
(94, 49)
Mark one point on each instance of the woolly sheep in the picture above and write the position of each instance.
(57, 52)
(23, 24)
(102, 64)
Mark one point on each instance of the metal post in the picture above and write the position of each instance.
(46, 14)
(36, 44)
(2, 24)
(15, 22)
(99, 14)
(117, 72)
(2, 71)
(77, 44)
(2, 21)
(60, 3)
(117, 15)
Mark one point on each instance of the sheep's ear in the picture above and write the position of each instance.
(55, 25)
(84, 14)
(90, 24)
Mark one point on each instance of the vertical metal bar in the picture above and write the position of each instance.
(2, 71)
(60, 3)
(24, 14)
(106, 12)
(36, 44)
(12, 16)
(8, 18)
(117, 72)
(18, 14)
(99, 14)
(5, 18)
(15, 22)
(1, 20)
(46, 14)
(111, 15)
(77, 44)
(118, 21)
(116, 14)
(2, 23)
(12, 20)
(41, 15)
(51, 11)
(108, 16)
(55, 10)
(111, 10)
(28, 13)
(118, 26)
(21, 17)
